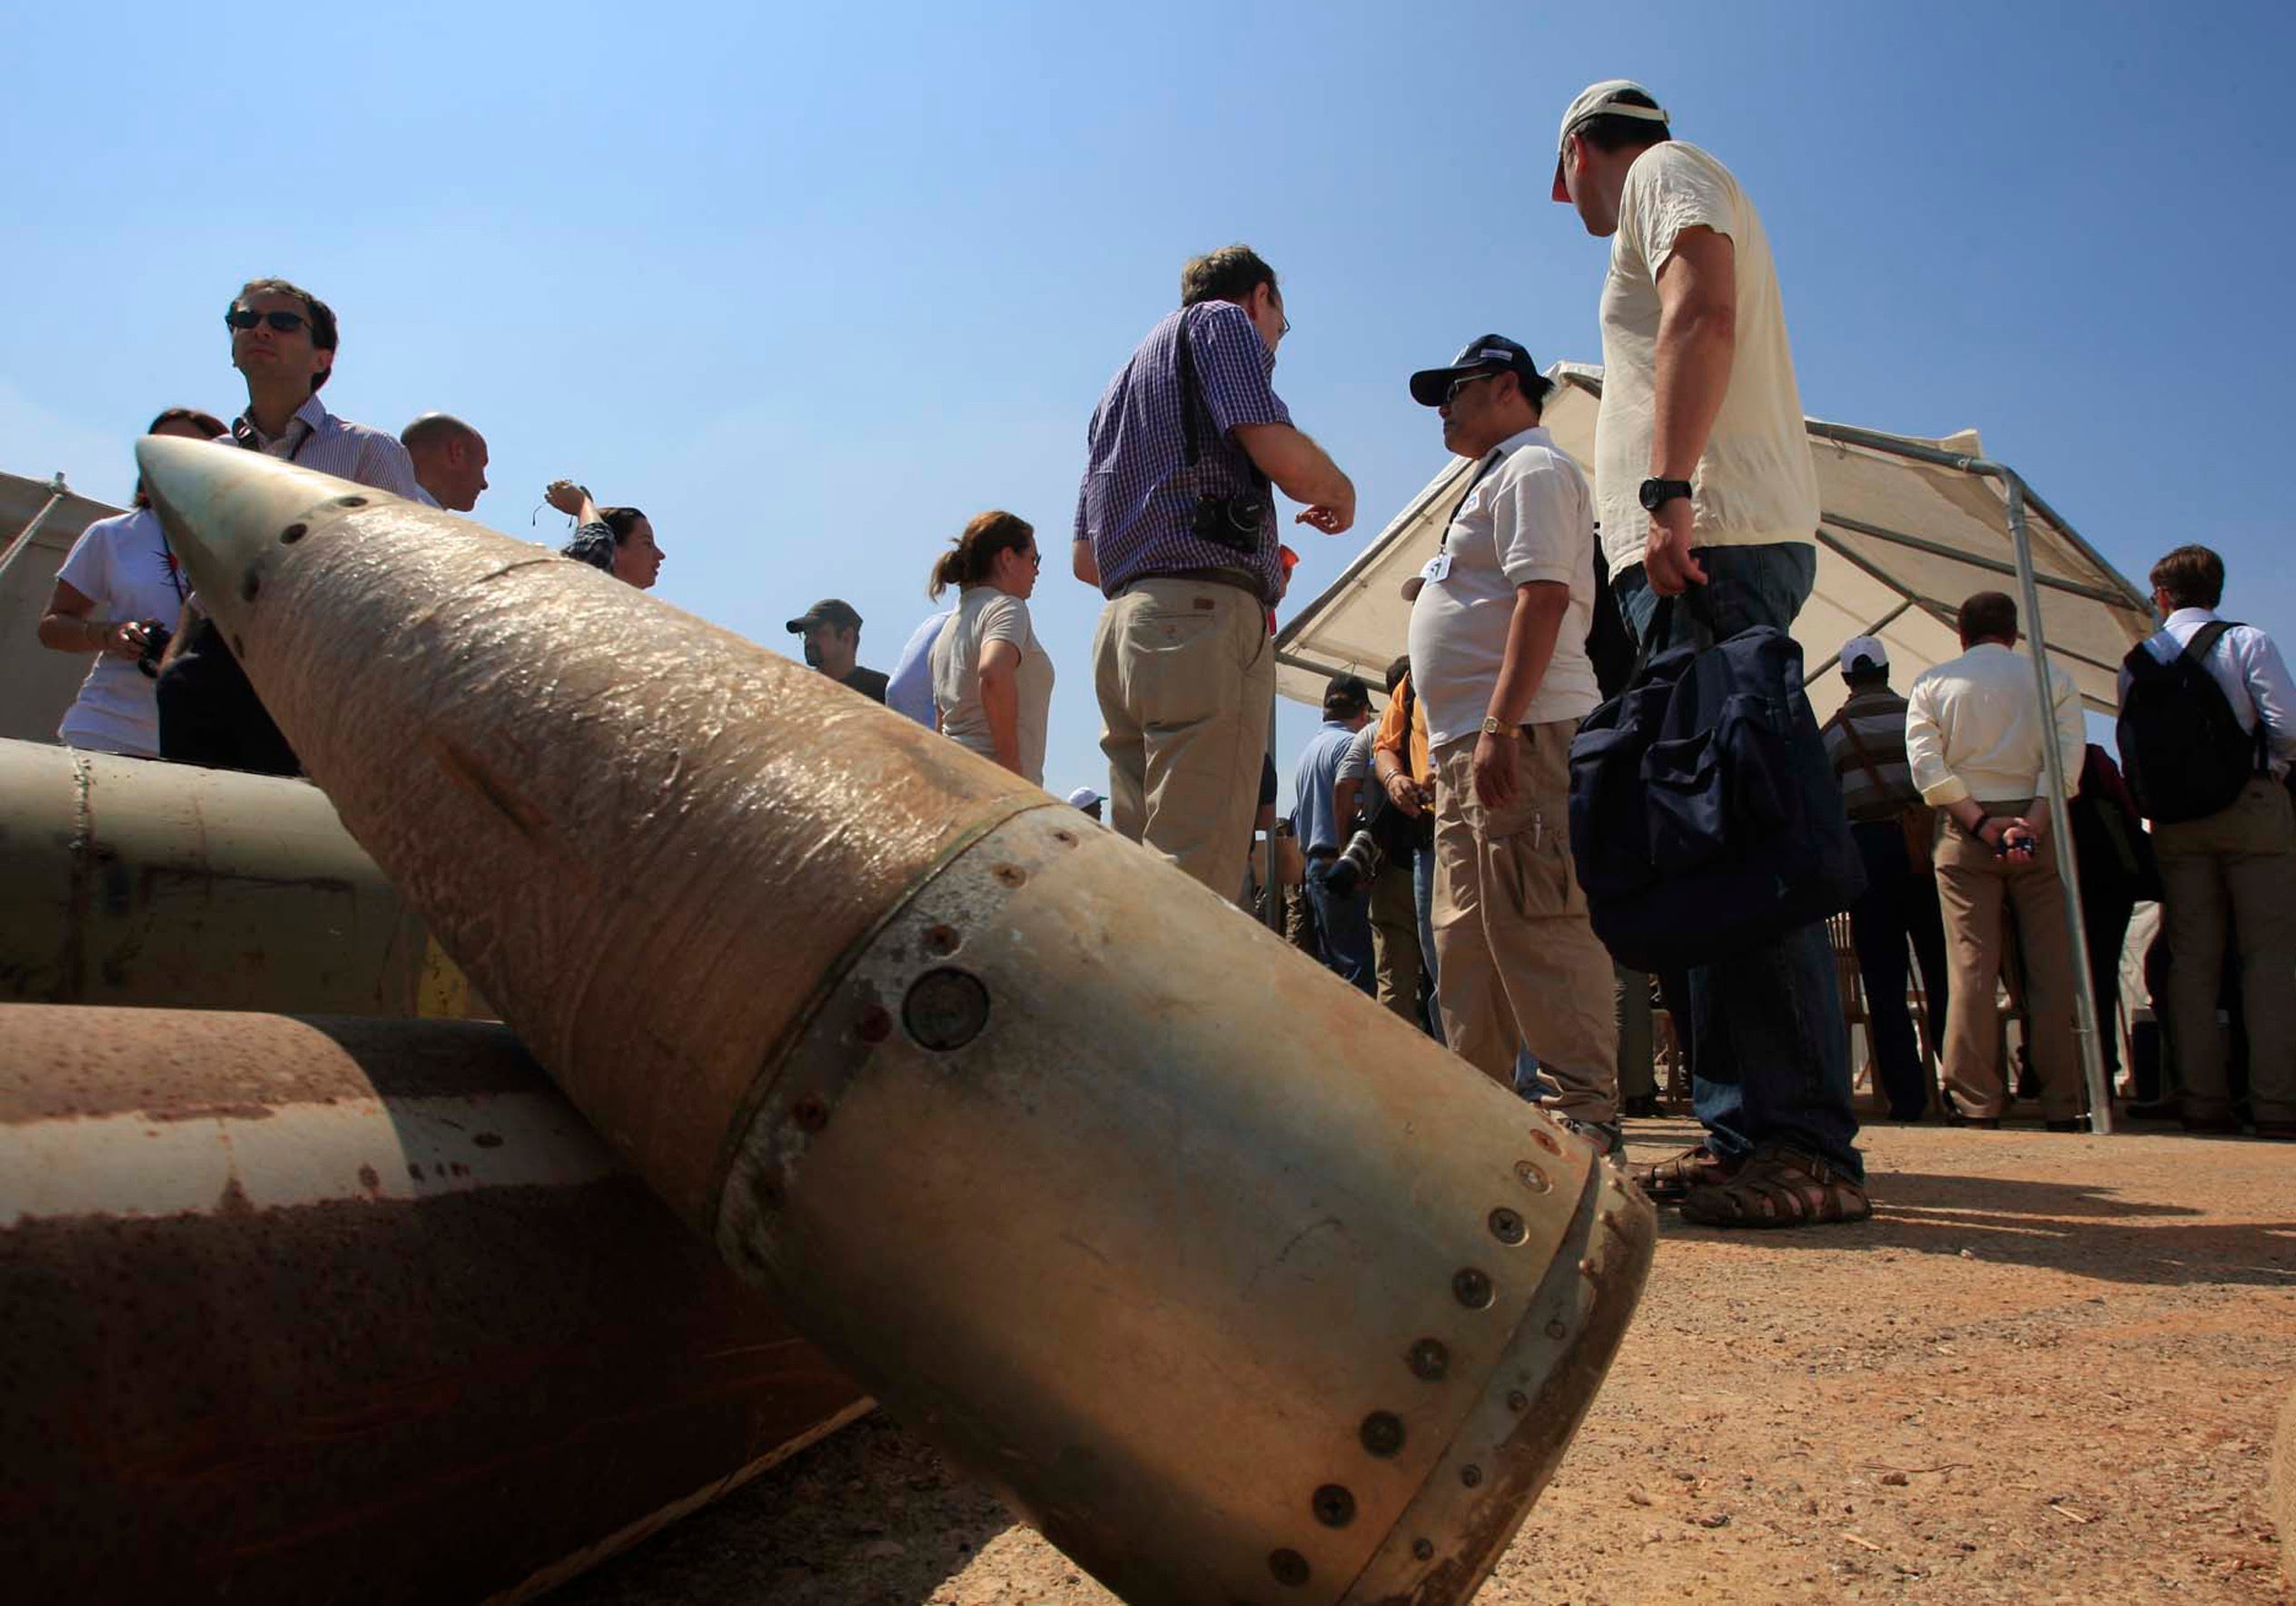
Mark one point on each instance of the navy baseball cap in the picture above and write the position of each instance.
(1489, 353)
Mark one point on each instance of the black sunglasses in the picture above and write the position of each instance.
(247, 318)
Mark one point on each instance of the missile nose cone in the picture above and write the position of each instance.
(225, 507)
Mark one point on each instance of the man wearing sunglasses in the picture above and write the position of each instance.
(283, 342)
(1500, 621)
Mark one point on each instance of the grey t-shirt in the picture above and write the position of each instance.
(984, 614)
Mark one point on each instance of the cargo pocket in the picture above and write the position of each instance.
(1534, 870)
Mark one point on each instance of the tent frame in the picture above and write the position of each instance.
(2019, 496)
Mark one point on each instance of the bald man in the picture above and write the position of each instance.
(449, 460)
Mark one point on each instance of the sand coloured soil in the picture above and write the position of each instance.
(2049, 1370)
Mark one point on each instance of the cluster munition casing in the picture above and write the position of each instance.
(1233, 1284)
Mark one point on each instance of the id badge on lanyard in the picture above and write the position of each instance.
(1440, 566)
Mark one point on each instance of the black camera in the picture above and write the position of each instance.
(1236, 520)
(1359, 861)
(156, 636)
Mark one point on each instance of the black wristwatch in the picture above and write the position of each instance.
(1656, 494)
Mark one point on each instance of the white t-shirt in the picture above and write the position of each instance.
(124, 566)
(1529, 518)
(1755, 483)
(986, 614)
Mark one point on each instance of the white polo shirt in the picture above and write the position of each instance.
(124, 567)
(1530, 518)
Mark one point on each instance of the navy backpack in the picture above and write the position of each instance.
(1705, 817)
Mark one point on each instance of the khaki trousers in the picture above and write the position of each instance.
(2236, 867)
(1974, 885)
(1395, 939)
(1186, 680)
(1516, 961)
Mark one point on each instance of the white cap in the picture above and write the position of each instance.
(1083, 797)
(1601, 100)
(1875, 656)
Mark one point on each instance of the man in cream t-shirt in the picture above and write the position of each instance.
(1707, 495)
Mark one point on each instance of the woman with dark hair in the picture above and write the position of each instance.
(118, 596)
(620, 540)
(992, 681)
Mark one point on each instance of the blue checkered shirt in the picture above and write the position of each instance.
(1138, 502)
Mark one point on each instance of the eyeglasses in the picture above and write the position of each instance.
(1450, 393)
(247, 318)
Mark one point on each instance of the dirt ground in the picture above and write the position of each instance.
(2047, 1371)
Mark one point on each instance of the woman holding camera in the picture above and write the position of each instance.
(117, 596)
(992, 681)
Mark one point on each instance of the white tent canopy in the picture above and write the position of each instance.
(1908, 527)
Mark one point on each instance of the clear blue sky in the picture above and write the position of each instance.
(812, 286)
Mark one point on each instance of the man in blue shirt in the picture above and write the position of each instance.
(1175, 525)
(1344, 917)
(2231, 872)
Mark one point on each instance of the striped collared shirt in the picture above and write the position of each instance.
(1878, 717)
(1137, 505)
(316, 439)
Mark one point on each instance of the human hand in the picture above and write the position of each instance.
(1330, 520)
(1667, 561)
(1404, 793)
(124, 638)
(1494, 769)
(565, 496)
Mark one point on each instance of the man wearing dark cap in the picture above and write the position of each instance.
(1705, 486)
(832, 632)
(1499, 662)
(1342, 912)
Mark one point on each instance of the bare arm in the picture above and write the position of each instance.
(1343, 801)
(1698, 340)
(1302, 471)
(1084, 565)
(69, 626)
(1000, 664)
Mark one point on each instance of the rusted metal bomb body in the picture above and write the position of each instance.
(131, 881)
(1236, 1286)
(343, 1310)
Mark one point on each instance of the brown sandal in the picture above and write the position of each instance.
(1664, 1180)
(1778, 1188)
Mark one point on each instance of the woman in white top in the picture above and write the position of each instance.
(992, 681)
(119, 592)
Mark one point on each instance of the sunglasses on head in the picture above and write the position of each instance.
(247, 318)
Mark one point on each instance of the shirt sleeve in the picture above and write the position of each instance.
(1231, 367)
(1355, 764)
(1668, 190)
(384, 464)
(1389, 736)
(1004, 619)
(2072, 730)
(85, 569)
(2270, 688)
(1540, 520)
(1925, 751)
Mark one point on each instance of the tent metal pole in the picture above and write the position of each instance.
(57, 492)
(2111, 597)
(2085, 1003)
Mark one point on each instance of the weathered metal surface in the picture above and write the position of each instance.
(131, 881)
(343, 1310)
(1239, 1287)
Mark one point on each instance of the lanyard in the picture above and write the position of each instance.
(1442, 543)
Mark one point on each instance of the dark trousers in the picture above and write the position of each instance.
(211, 716)
(1896, 905)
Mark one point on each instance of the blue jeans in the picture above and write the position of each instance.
(1771, 1063)
(1423, 895)
(1346, 924)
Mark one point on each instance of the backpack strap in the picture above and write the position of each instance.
(2195, 653)
(1865, 757)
